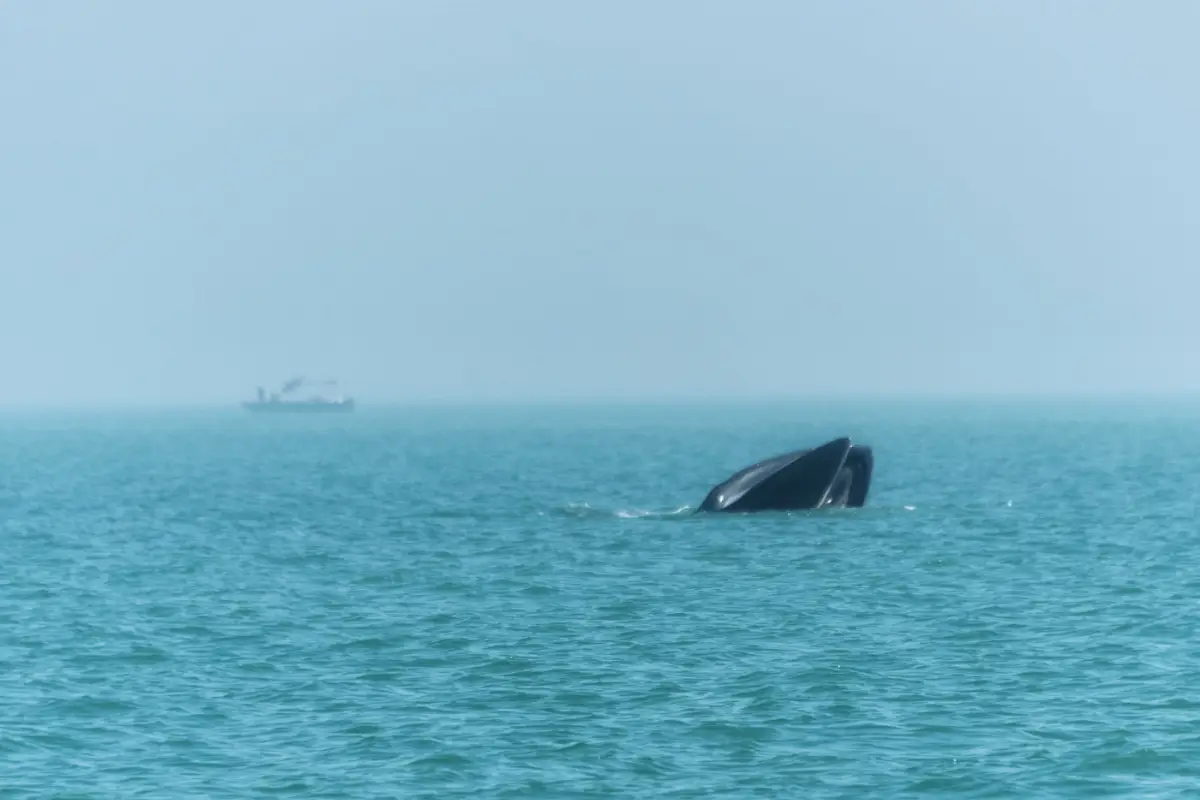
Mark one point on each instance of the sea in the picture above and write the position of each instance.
(522, 602)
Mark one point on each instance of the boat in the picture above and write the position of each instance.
(282, 402)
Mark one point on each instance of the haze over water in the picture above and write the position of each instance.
(532, 200)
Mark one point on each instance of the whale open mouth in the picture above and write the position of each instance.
(835, 475)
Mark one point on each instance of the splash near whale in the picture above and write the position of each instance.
(835, 475)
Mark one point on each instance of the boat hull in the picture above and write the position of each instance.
(299, 407)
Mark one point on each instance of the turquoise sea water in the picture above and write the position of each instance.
(518, 603)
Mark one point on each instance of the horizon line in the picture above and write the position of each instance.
(573, 401)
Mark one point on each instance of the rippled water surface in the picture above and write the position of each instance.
(520, 603)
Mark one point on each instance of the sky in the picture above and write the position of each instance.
(538, 200)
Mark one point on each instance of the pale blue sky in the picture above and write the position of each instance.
(552, 199)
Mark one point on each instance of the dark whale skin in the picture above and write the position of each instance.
(835, 475)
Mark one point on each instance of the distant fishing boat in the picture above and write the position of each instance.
(282, 402)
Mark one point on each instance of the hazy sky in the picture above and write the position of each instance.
(543, 199)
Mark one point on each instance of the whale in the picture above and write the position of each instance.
(836, 474)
